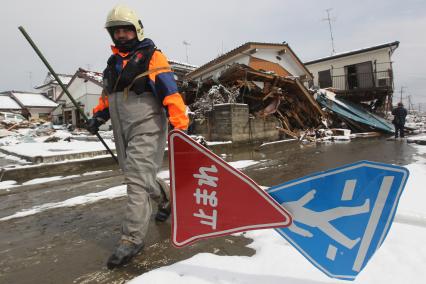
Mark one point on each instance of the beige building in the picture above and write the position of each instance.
(363, 75)
(274, 57)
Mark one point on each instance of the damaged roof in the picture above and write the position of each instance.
(247, 47)
(92, 76)
(65, 78)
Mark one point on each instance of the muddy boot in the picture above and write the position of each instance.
(124, 252)
(164, 206)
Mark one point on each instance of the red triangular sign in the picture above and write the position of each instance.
(210, 198)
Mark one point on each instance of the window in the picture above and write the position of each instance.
(360, 75)
(324, 79)
(44, 116)
(50, 93)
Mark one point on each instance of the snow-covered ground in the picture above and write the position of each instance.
(110, 193)
(401, 259)
(31, 143)
(57, 148)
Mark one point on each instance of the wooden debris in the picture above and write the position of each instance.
(265, 94)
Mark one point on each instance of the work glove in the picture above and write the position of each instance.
(93, 125)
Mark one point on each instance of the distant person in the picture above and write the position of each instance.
(140, 90)
(26, 113)
(399, 115)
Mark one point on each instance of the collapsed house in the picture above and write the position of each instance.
(259, 91)
(244, 104)
(253, 92)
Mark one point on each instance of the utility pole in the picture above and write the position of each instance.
(30, 78)
(328, 19)
(402, 91)
(409, 103)
(186, 49)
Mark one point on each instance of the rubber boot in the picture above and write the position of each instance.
(164, 206)
(123, 253)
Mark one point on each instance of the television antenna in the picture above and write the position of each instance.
(186, 44)
(329, 20)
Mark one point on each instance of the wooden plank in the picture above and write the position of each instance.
(288, 132)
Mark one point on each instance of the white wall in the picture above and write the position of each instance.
(336, 66)
(35, 112)
(287, 61)
(241, 59)
(87, 93)
(269, 54)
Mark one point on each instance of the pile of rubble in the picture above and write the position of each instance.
(265, 94)
(36, 131)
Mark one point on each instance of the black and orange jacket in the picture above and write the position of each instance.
(160, 81)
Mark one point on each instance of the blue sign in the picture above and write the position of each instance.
(341, 216)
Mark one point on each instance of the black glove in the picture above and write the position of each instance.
(93, 125)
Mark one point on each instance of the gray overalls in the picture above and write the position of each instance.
(140, 131)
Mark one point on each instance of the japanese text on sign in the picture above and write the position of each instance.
(205, 195)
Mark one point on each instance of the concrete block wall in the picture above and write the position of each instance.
(231, 122)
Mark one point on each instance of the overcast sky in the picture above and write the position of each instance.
(71, 33)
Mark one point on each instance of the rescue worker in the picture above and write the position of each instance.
(139, 90)
(399, 115)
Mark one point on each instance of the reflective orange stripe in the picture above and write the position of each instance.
(103, 104)
(177, 111)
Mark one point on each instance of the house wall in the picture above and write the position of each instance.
(241, 59)
(287, 61)
(87, 93)
(56, 92)
(37, 113)
(336, 66)
(261, 64)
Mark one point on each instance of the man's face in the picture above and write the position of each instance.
(124, 34)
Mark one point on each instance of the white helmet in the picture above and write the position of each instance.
(122, 15)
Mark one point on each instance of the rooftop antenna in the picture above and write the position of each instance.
(328, 19)
(186, 44)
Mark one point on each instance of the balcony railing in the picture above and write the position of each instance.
(364, 81)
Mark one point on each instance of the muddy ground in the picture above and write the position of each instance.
(71, 245)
